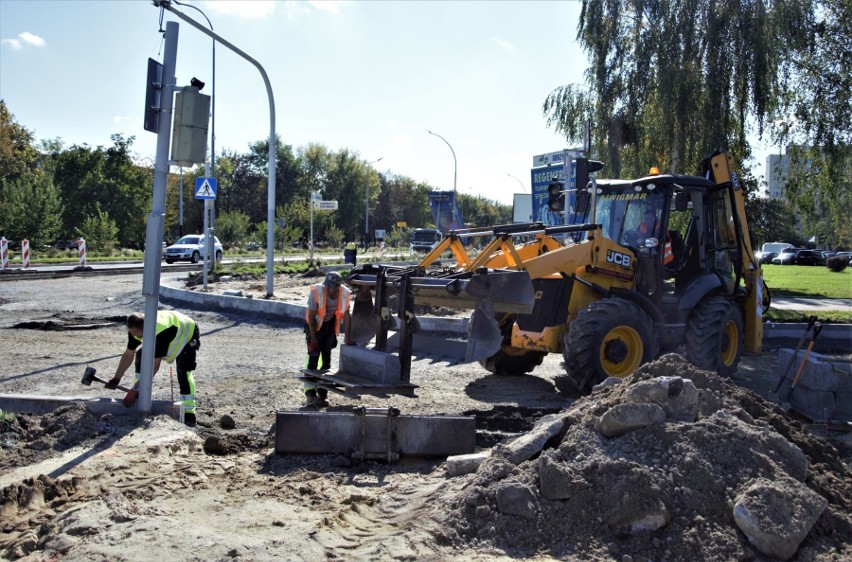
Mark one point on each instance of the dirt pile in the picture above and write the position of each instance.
(671, 464)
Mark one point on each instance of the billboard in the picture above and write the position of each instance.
(541, 177)
(445, 212)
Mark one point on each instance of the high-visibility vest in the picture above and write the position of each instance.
(668, 256)
(185, 329)
(319, 294)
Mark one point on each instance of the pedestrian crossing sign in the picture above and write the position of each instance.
(205, 188)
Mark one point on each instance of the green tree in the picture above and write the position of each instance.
(99, 231)
(18, 156)
(30, 208)
(232, 227)
(669, 82)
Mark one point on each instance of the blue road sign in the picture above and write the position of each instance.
(205, 188)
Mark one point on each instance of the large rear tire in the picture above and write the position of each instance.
(714, 336)
(609, 338)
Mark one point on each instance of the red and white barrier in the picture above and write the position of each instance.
(25, 253)
(4, 253)
(81, 249)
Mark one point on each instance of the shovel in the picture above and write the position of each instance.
(90, 375)
(785, 405)
(811, 321)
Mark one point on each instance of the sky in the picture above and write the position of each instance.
(372, 77)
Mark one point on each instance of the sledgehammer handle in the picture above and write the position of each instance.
(102, 381)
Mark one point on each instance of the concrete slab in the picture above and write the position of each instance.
(42, 404)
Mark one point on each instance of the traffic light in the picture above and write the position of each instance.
(555, 195)
(584, 168)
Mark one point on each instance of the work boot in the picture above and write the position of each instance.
(323, 395)
(189, 420)
(311, 398)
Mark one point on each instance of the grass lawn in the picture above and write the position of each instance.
(808, 281)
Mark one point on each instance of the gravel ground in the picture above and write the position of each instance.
(130, 497)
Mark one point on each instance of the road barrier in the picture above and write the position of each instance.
(81, 250)
(25, 253)
(4, 252)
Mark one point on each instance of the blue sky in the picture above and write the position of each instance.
(371, 77)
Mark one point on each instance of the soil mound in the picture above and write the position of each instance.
(672, 463)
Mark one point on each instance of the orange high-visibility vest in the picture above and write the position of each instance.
(319, 294)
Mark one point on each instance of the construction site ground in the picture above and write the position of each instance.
(77, 486)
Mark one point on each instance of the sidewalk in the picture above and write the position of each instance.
(802, 303)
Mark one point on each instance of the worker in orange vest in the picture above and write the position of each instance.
(328, 305)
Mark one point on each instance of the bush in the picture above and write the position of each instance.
(837, 263)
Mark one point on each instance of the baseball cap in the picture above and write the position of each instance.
(332, 279)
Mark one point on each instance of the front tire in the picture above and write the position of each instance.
(609, 338)
(714, 336)
(196, 257)
(218, 256)
(170, 261)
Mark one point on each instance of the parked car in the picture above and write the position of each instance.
(847, 255)
(191, 248)
(786, 257)
(770, 250)
(809, 257)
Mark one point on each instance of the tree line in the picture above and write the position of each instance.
(49, 192)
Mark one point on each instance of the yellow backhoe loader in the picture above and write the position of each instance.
(655, 264)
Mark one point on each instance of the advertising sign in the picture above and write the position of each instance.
(541, 177)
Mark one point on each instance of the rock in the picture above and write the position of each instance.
(557, 480)
(516, 499)
(677, 396)
(227, 422)
(214, 446)
(623, 418)
(776, 516)
(465, 464)
(530, 444)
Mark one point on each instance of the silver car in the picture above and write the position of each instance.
(191, 248)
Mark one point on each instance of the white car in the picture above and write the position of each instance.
(191, 248)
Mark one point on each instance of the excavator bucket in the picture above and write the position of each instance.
(484, 338)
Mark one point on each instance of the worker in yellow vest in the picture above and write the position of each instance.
(328, 305)
(177, 339)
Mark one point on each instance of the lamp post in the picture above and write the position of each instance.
(367, 207)
(517, 180)
(455, 172)
(209, 212)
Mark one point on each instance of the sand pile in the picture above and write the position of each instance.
(670, 464)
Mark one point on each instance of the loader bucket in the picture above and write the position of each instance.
(484, 338)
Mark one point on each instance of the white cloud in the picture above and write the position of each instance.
(14, 43)
(391, 124)
(31, 39)
(25, 38)
(249, 9)
(503, 43)
(402, 140)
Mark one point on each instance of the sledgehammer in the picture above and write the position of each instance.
(90, 376)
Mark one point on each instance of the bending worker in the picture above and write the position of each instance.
(177, 341)
(328, 304)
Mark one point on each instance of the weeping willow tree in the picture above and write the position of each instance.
(670, 80)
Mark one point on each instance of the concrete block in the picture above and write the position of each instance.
(376, 366)
(814, 404)
(843, 408)
(465, 464)
(818, 374)
(41, 404)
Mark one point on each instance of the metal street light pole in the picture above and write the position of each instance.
(455, 172)
(209, 210)
(367, 207)
(517, 180)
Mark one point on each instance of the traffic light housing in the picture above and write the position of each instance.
(555, 195)
(584, 168)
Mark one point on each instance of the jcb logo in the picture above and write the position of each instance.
(618, 258)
